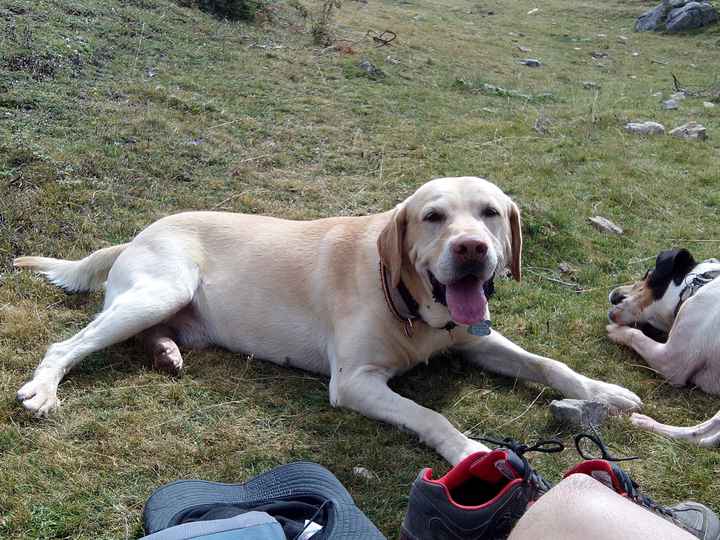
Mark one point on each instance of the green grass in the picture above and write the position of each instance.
(115, 113)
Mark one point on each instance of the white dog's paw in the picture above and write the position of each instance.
(39, 397)
(643, 422)
(614, 396)
(622, 335)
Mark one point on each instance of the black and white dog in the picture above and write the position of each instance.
(681, 298)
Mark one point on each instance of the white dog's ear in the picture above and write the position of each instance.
(391, 244)
(515, 241)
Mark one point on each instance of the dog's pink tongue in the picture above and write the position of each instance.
(466, 301)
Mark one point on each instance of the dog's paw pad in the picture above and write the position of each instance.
(167, 357)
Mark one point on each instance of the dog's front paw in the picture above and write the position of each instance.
(617, 398)
(622, 335)
(39, 397)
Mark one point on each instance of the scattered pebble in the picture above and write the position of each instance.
(636, 53)
(590, 85)
(372, 70)
(530, 62)
(362, 472)
(622, 39)
(645, 128)
(599, 54)
(392, 60)
(691, 130)
(657, 94)
(601, 35)
(708, 104)
(523, 49)
(579, 413)
(605, 225)
(533, 10)
(670, 104)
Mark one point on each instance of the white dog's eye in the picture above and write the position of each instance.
(489, 211)
(433, 217)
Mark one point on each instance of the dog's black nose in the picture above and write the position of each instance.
(616, 298)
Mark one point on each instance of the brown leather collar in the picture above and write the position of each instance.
(402, 305)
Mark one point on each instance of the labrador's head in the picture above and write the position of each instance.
(450, 237)
(653, 299)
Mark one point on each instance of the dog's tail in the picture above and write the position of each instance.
(75, 276)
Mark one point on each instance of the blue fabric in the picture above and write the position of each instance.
(247, 526)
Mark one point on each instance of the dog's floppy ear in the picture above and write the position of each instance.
(391, 244)
(670, 265)
(515, 241)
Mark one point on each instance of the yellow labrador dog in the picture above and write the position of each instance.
(359, 299)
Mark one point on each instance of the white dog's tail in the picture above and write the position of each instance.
(75, 276)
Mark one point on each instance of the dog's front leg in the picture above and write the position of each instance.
(365, 390)
(497, 353)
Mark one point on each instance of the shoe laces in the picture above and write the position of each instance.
(546, 446)
(629, 486)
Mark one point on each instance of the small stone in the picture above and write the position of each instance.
(657, 94)
(523, 49)
(533, 10)
(392, 60)
(691, 130)
(579, 413)
(531, 62)
(605, 225)
(645, 128)
(622, 39)
(373, 71)
(670, 104)
(636, 53)
(590, 85)
(599, 54)
(362, 472)
(708, 104)
(566, 268)
(601, 35)
(678, 96)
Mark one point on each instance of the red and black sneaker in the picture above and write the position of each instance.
(695, 518)
(482, 497)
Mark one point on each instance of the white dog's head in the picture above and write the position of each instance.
(447, 241)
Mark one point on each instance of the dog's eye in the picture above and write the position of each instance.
(489, 211)
(433, 217)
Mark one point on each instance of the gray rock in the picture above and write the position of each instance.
(690, 16)
(605, 225)
(362, 472)
(578, 413)
(531, 62)
(653, 19)
(691, 130)
(670, 104)
(677, 16)
(645, 128)
(708, 104)
(373, 71)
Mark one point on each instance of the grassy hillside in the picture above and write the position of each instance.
(115, 113)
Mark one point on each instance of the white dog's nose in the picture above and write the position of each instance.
(469, 249)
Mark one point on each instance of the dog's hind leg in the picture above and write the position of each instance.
(143, 302)
(159, 342)
(704, 434)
